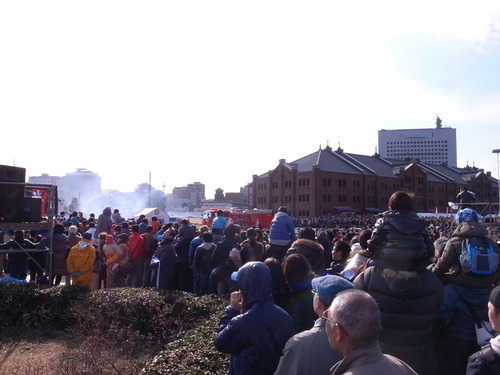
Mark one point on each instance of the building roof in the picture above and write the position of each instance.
(328, 160)
(337, 161)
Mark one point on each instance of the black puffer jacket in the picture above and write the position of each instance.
(220, 255)
(484, 362)
(401, 241)
(407, 302)
(203, 258)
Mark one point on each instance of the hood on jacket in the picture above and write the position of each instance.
(254, 281)
(403, 284)
(470, 229)
(83, 244)
(279, 215)
(304, 242)
(107, 211)
(404, 221)
(207, 245)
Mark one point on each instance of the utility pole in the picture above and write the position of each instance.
(497, 151)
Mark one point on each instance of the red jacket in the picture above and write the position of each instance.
(136, 246)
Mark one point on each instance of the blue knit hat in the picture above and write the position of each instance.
(87, 236)
(467, 214)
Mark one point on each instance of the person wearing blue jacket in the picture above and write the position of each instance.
(218, 225)
(281, 234)
(253, 329)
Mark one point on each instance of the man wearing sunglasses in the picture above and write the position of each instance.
(353, 326)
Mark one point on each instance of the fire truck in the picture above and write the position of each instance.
(244, 218)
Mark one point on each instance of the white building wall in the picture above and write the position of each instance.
(431, 146)
(83, 185)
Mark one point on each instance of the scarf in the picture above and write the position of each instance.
(495, 344)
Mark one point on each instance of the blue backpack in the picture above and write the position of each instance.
(478, 256)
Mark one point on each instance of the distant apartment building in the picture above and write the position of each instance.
(189, 196)
(83, 185)
(198, 194)
(430, 145)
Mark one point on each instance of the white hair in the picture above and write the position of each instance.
(358, 314)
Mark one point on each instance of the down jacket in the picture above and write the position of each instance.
(255, 338)
(282, 230)
(407, 302)
(400, 240)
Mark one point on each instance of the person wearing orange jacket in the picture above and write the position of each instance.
(80, 261)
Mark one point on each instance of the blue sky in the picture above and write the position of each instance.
(446, 65)
(216, 91)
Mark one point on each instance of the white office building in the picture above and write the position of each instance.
(83, 185)
(432, 146)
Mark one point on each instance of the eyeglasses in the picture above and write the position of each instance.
(324, 316)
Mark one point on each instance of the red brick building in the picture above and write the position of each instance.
(330, 182)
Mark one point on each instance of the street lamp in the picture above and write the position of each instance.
(497, 151)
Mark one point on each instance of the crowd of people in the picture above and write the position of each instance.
(400, 297)
(326, 295)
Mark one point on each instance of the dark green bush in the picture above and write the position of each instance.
(32, 306)
(138, 318)
(193, 353)
(145, 321)
(126, 327)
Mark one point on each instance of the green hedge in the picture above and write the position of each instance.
(25, 305)
(192, 353)
(175, 328)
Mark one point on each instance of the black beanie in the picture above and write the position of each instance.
(495, 297)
